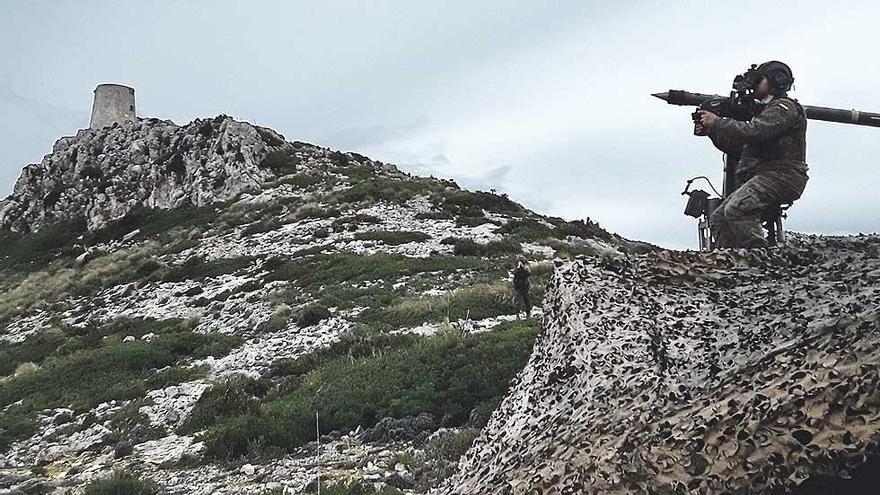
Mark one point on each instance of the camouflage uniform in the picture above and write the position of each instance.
(771, 169)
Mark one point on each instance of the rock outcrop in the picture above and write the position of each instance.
(679, 372)
(102, 174)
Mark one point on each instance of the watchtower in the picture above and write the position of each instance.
(114, 103)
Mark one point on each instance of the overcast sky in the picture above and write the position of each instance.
(547, 101)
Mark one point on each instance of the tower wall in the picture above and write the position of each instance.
(113, 104)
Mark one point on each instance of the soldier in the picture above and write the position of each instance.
(772, 167)
(521, 287)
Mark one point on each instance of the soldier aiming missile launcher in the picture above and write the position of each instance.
(741, 105)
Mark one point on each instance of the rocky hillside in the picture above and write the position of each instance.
(181, 307)
(100, 175)
(718, 373)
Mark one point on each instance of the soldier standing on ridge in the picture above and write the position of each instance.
(772, 168)
(521, 287)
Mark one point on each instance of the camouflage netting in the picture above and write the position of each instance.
(682, 372)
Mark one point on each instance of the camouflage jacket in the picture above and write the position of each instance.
(773, 139)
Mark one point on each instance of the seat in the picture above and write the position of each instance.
(772, 221)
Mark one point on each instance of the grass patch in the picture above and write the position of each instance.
(121, 483)
(527, 230)
(468, 203)
(476, 302)
(281, 162)
(392, 237)
(232, 395)
(462, 246)
(355, 221)
(321, 270)
(313, 210)
(383, 189)
(351, 487)
(55, 284)
(447, 375)
(312, 315)
(87, 377)
(33, 251)
(197, 268)
(301, 180)
(34, 349)
(155, 221)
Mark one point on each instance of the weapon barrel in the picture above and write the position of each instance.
(686, 98)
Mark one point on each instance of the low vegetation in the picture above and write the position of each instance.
(96, 366)
(121, 483)
(313, 272)
(468, 247)
(392, 237)
(351, 487)
(447, 375)
(475, 302)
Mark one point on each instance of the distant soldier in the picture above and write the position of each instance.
(771, 169)
(521, 287)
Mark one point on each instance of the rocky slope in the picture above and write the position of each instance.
(100, 175)
(172, 295)
(676, 372)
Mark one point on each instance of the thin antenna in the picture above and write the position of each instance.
(318, 437)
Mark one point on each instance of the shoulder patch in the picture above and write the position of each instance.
(783, 105)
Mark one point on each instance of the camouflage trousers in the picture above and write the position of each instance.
(522, 301)
(737, 222)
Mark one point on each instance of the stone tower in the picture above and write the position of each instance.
(114, 103)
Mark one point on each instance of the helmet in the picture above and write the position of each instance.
(778, 74)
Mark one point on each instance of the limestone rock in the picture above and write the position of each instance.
(151, 163)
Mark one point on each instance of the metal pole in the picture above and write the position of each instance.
(318, 438)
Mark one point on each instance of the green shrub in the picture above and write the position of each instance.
(34, 349)
(358, 343)
(352, 487)
(302, 181)
(585, 229)
(527, 230)
(384, 189)
(476, 302)
(239, 214)
(265, 225)
(471, 220)
(446, 375)
(33, 251)
(280, 161)
(467, 203)
(356, 172)
(451, 445)
(463, 246)
(232, 395)
(58, 284)
(153, 221)
(434, 215)
(278, 321)
(197, 268)
(338, 268)
(392, 237)
(312, 315)
(121, 483)
(312, 210)
(87, 376)
(354, 221)
(502, 247)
